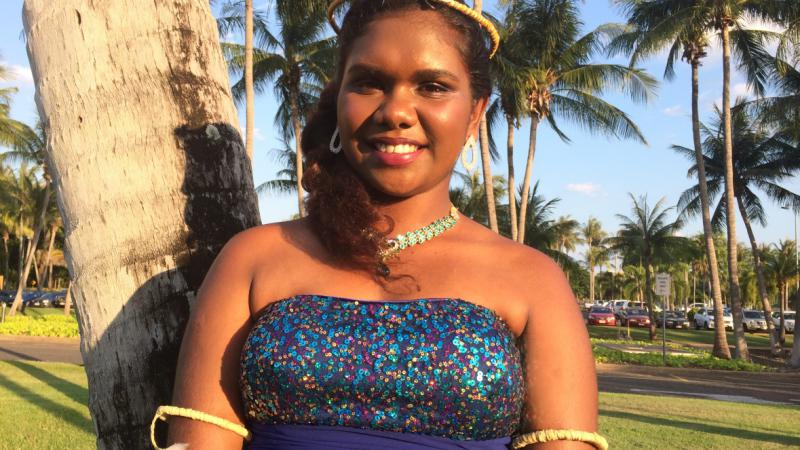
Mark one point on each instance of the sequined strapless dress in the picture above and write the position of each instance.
(323, 372)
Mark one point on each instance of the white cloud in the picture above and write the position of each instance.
(257, 135)
(590, 189)
(17, 73)
(674, 111)
(740, 90)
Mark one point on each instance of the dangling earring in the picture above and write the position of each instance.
(473, 147)
(335, 148)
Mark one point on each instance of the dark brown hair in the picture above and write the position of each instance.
(340, 204)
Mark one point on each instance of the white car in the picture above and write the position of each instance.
(704, 318)
(697, 306)
(788, 320)
(753, 320)
(620, 305)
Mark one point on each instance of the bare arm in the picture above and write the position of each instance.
(208, 366)
(561, 382)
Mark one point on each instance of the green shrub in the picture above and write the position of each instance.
(706, 360)
(55, 325)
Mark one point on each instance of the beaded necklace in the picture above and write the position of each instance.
(421, 235)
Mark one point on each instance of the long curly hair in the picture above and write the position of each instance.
(341, 206)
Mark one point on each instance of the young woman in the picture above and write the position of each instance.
(334, 332)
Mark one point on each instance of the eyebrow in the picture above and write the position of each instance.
(420, 74)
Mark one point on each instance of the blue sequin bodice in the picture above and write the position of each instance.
(441, 367)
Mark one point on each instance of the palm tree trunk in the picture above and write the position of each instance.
(648, 283)
(488, 180)
(48, 270)
(721, 349)
(23, 275)
(782, 325)
(5, 260)
(512, 191)
(775, 347)
(295, 112)
(794, 361)
(248, 76)
(591, 279)
(733, 263)
(526, 182)
(138, 253)
(36, 274)
(68, 300)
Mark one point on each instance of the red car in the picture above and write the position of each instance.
(601, 316)
(636, 317)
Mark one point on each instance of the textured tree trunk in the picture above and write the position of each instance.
(733, 263)
(784, 288)
(512, 190)
(648, 283)
(590, 260)
(774, 346)
(29, 256)
(721, 349)
(488, 180)
(47, 267)
(248, 77)
(151, 177)
(298, 129)
(5, 260)
(68, 300)
(526, 182)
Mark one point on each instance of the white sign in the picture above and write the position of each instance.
(662, 284)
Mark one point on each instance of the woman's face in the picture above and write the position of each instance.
(405, 108)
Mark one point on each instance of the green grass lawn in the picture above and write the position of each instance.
(44, 407)
(684, 335)
(631, 421)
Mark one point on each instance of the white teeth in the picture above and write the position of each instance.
(403, 148)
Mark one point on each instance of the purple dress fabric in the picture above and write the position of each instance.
(324, 372)
(322, 437)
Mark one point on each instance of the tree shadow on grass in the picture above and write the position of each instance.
(705, 428)
(67, 414)
(75, 392)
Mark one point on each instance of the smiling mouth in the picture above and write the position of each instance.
(400, 149)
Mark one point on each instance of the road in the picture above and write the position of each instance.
(744, 387)
(748, 387)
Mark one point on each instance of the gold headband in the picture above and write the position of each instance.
(485, 23)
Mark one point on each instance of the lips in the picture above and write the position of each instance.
(395, 151)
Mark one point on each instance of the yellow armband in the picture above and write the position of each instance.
(559, 435)
(163, 411)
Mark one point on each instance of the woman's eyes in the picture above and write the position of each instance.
(427, 88)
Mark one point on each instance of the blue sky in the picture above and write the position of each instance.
(592, 176)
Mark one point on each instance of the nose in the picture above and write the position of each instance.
(397, 110)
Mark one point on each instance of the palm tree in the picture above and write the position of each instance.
(652, 29)
(486, 158)
(594, 237)
(248, 76)
(31, 149)
(567, 236)
(760, 162)
(10, 130)
(728, 18)
(781, 262)
(509, 77)
(296, 64)
(649, 236)
(285, 181)
(470, 198)
(563, 83)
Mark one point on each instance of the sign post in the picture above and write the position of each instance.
(663, 282)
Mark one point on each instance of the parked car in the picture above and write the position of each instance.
(753, 320)
(788, 320)
(674, 319)
(704, 318)
(697, 306)
(599, 315)
(635, 317)
(619, 306)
